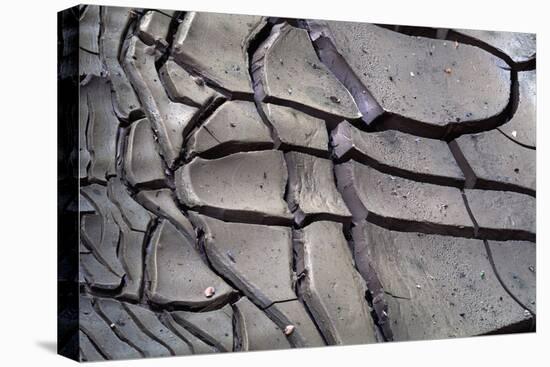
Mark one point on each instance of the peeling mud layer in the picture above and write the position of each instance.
(239, 183)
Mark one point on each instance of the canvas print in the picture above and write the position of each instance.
(239, 183)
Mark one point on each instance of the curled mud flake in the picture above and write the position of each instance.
(289, 329)
(209, 292)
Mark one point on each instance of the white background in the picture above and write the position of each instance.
(28, 181)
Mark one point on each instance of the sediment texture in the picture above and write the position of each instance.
(252, 183)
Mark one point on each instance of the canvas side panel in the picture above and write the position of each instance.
(67, 182)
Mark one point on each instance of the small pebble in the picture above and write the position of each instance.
(289, 329)
(448, 70)
(209, 292)
(335, 99)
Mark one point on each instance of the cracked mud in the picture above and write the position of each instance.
(254, 183)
